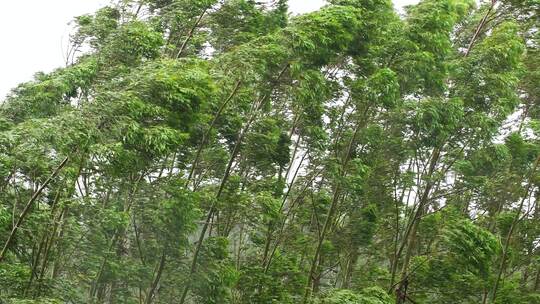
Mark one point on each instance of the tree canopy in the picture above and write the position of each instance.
(203, 151)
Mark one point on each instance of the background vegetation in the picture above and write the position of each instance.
(196, 151)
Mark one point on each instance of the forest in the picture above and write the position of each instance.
(214, 152)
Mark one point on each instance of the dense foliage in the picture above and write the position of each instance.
(203, 151)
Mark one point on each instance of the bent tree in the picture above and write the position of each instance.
(204, 151)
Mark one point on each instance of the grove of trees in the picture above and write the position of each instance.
(205, 151)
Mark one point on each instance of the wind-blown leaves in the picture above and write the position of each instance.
(229, 152)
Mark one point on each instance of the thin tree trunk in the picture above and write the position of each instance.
(42, 244)
(513, 226)
(395, 258)
(155, 282)
(212, 210)
(56, 264)
(537, 280)
(351, 263)
(116, 237)
(138, 10)
(271, 229)
(342, 115)
(331, 211)
(409, 238)
(284, 221)
(35, 261)
(207, 133)
(190, 33)
(479, 28)
(138, 242)
(27, 208)
(48, 247)
(239, 251)
(224, 180)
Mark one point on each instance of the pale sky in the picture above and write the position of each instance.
(34, 34)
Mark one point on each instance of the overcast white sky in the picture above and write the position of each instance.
(34, 33)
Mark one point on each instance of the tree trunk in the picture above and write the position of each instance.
(207, 133)
(27, 208)
(43, 243)
(191, 32)
(513, 226)
(330, 214)
(155, 282)
(224, 180)
(409, 239)
(479, 28)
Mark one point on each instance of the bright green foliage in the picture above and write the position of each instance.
(95, 29)
(435, 120)
(427, 45)
(202, 151)
(380, 89)
(268, 146)
(131, 43)
(155, 107)
(472, 246)
(367, 296)
(173, 212)
(316, 37)
(240, 21)
(48, 94)
(217, 274)
(308, 97)
(489, 76)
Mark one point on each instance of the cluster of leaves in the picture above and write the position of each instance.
(204, 151)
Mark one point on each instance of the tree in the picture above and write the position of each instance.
(228, 152)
